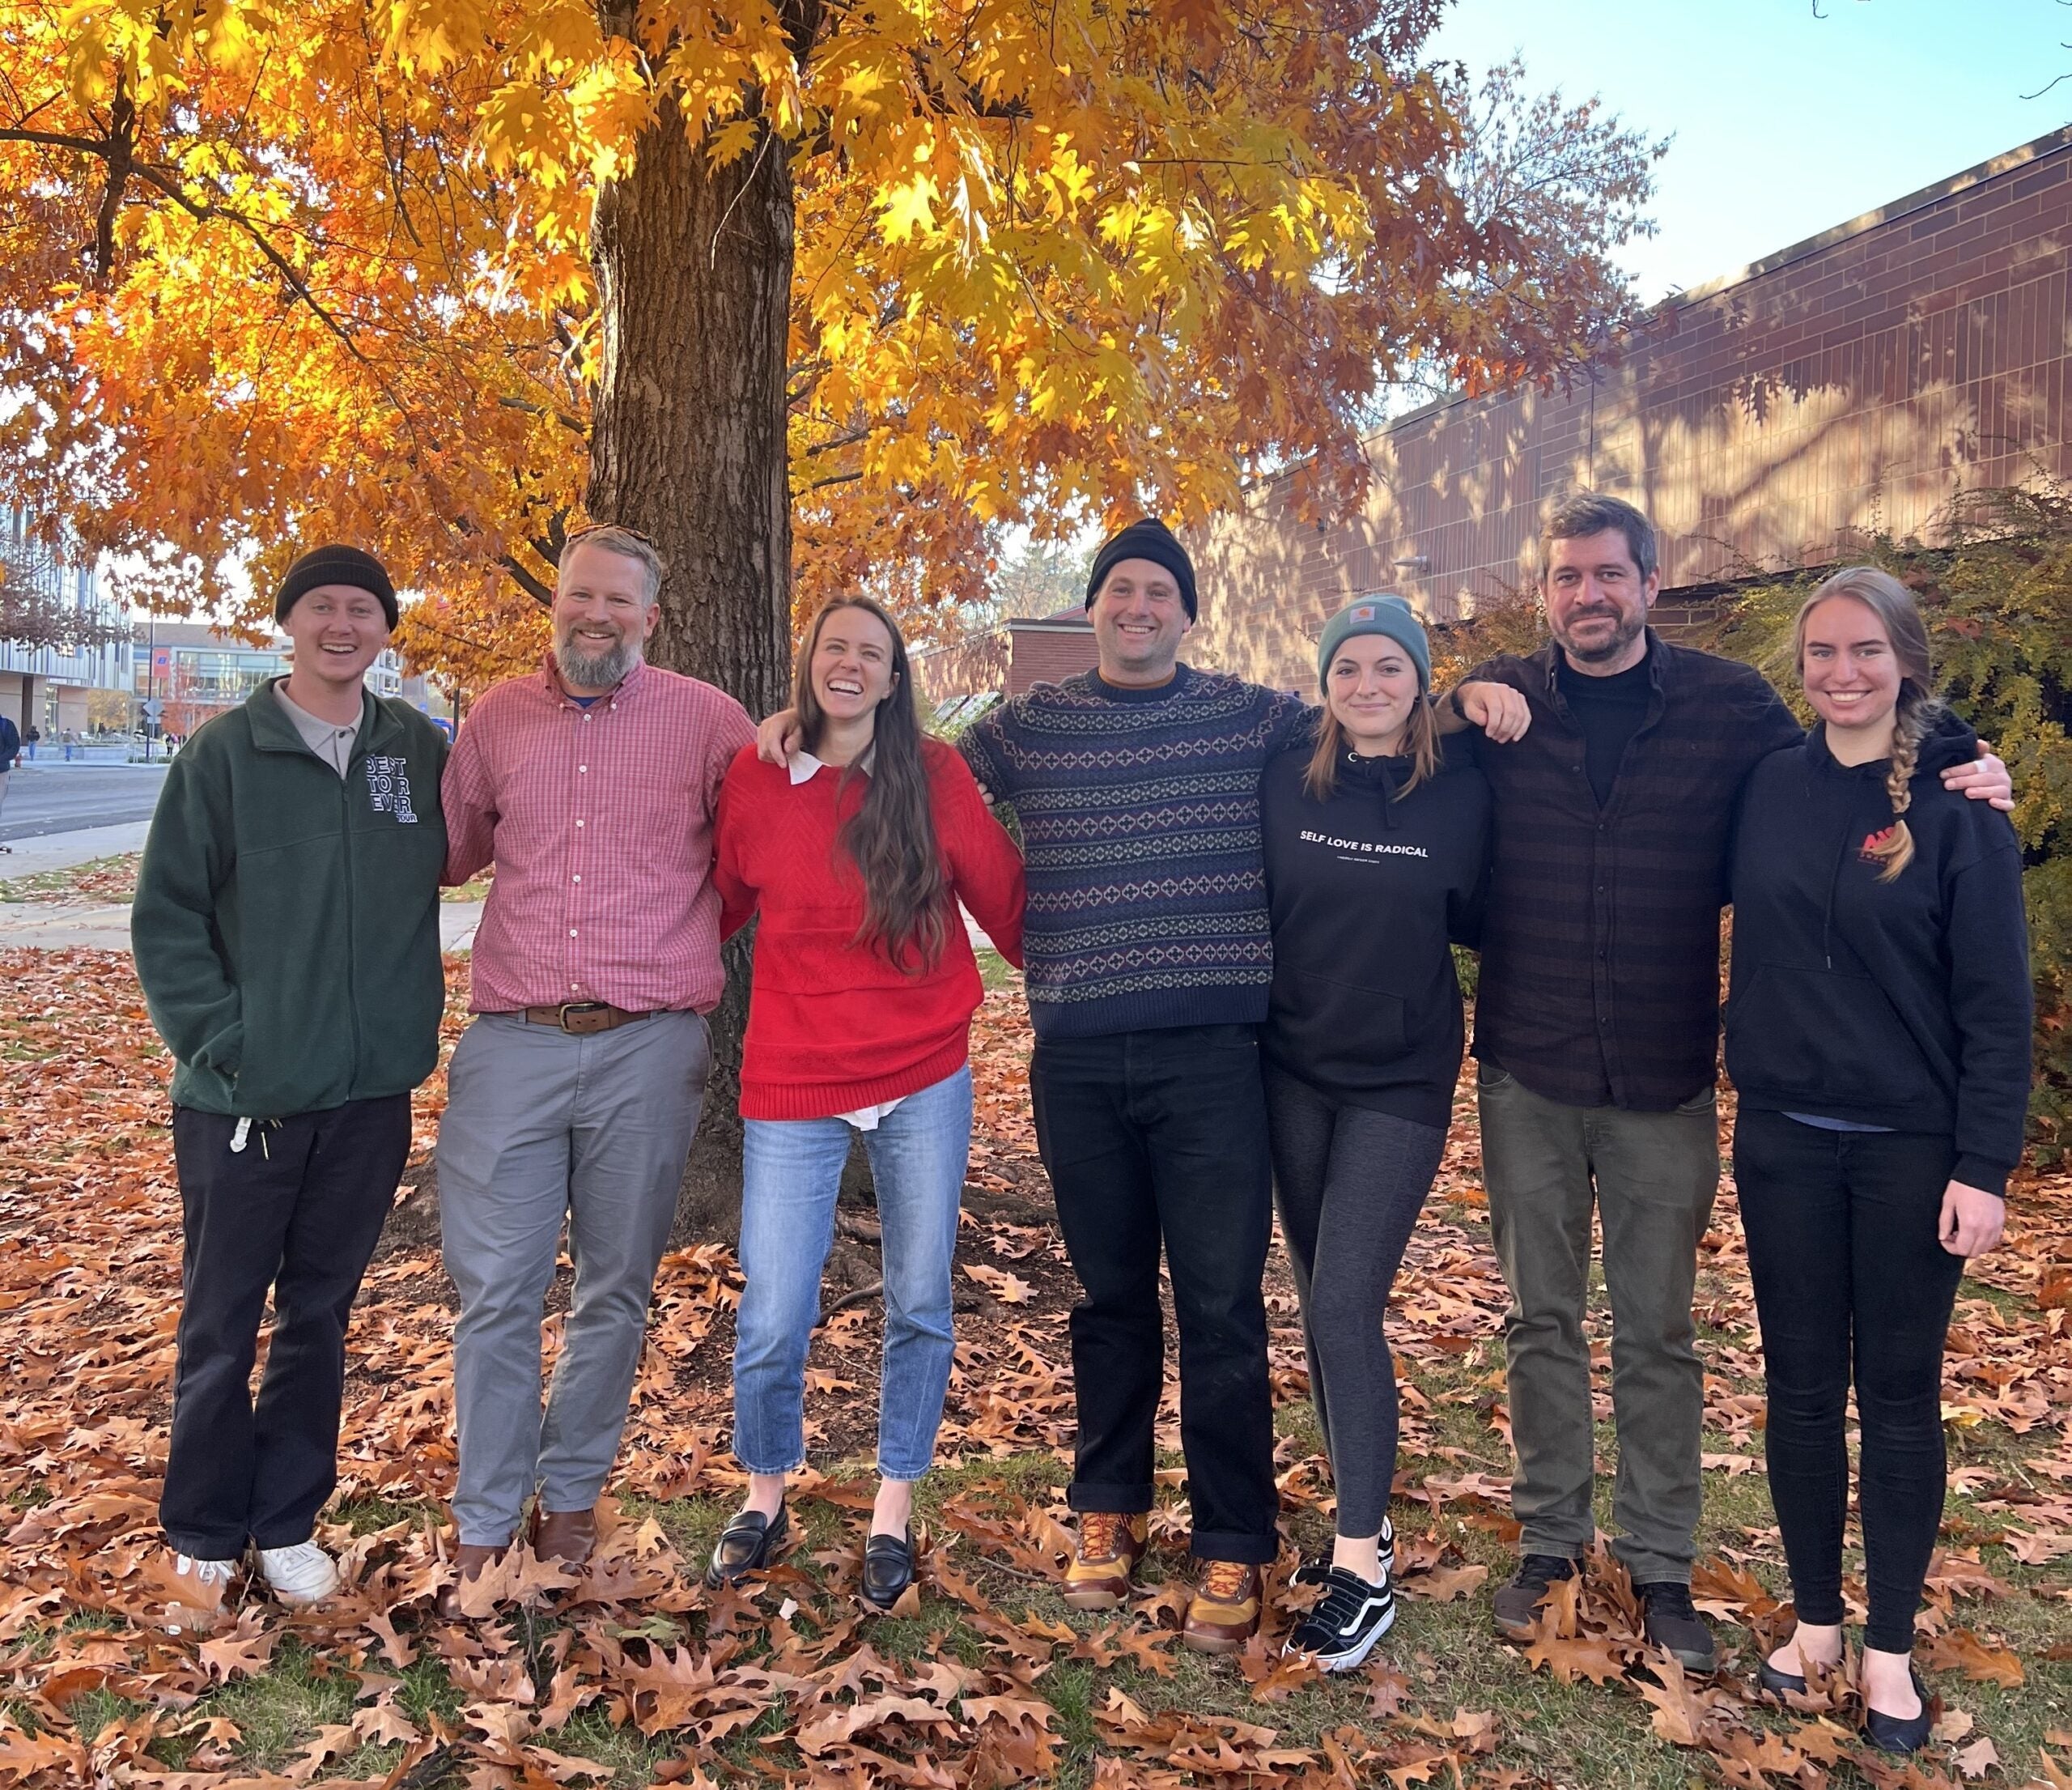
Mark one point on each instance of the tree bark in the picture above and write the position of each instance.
(693, 266)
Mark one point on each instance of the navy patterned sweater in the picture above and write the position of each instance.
(1139, 812)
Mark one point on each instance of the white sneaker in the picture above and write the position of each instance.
(210, 1580)
(300, 1576)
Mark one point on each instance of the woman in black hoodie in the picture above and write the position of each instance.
(1377, 851)
(1878, 1036)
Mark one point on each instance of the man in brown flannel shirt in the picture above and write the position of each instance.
(1596, 1032)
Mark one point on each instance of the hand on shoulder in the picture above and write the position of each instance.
(1984, 778)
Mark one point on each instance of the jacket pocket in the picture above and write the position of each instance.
(1824, 1036)
(1336, 1032)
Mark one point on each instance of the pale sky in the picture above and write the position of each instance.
(1784, 123)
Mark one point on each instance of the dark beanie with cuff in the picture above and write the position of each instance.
(336, 565)
(1147, 539)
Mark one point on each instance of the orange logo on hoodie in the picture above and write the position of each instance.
(1868, 852)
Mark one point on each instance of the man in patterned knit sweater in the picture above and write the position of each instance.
(1149, 956)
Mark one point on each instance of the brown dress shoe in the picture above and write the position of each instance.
(1111, 1544)
(568, 1536)
(1224, 1613)
(469, 1563)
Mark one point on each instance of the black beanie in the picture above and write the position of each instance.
(1148, 539)
(336, 565)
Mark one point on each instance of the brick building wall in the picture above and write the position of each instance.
(1852, 382)
(1049, 649)
(971, 667)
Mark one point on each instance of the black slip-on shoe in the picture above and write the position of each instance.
(1779, 1684)
(748, 1544)
(1517, 1605)
(888, 1568)
(1674, 1623)
(1900, 1733)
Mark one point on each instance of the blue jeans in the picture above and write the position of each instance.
(791, 1172)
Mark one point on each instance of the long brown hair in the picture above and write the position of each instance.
(1919, 708)
(1421, 742)
(891, 838)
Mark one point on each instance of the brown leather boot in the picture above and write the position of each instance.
(1224, 1613)
(567, 1536)
(1111, 1544)
(469, 1563)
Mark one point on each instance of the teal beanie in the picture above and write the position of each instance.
(1386, 615)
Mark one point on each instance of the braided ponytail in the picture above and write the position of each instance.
(1919, 708)
(1914, 719)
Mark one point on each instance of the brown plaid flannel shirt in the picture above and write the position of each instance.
(1600, 950)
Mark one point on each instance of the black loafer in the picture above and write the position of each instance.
(1779, 1684)
(746, 1545)
(1900, 1733)
(888, 1568)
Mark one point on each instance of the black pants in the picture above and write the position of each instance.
(1161, 1135)
(299, 1209)
(1842, 1248)
(1350, 1184)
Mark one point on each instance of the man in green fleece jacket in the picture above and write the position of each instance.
(286, 934)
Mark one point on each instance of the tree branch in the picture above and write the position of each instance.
(528, 582)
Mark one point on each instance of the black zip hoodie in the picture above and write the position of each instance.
(1366, 892)
(1903, 1004)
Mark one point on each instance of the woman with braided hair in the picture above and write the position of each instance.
(1878, 1034)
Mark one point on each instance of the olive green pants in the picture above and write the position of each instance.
(1651, 1177)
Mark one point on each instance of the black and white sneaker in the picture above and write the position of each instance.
(1341, 1631)
(1318, 1571)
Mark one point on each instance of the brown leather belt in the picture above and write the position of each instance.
(582, 1016)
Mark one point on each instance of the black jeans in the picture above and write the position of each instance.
(1350, 1183)
(1161, 1135)
(299, 1209)
(1842, 1248)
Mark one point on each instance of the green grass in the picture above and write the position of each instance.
(1566, 1735)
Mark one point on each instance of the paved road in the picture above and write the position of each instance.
(64, 798)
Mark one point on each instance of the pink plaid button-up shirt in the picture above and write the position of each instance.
(600, 823)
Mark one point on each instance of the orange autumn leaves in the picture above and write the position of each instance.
(986, 1683)
(274, 269)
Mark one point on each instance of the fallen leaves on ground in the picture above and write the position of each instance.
(633, 1671)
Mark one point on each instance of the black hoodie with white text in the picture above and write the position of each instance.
(1367, 892)
(1904, 1004)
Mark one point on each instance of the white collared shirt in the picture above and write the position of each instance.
(805, 766)
(327, 740)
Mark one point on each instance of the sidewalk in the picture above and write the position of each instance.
(63, 851)
(101, 926)
(52, 757)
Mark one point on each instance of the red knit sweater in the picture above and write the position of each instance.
(833, 1026)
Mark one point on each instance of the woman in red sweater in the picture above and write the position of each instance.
(857, 855)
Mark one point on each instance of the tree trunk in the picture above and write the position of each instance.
(693, 267)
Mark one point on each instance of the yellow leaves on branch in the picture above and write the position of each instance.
(300, 266)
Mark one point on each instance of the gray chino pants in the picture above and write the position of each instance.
(540, 1127)
(1651, 1176)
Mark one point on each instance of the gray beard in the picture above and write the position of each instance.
(601, 672)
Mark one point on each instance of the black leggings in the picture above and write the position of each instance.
(1842, 1248)
(1350, 1184)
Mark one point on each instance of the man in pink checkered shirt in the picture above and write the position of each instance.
(575, 1094)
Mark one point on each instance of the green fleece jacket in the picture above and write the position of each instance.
(286, 921)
